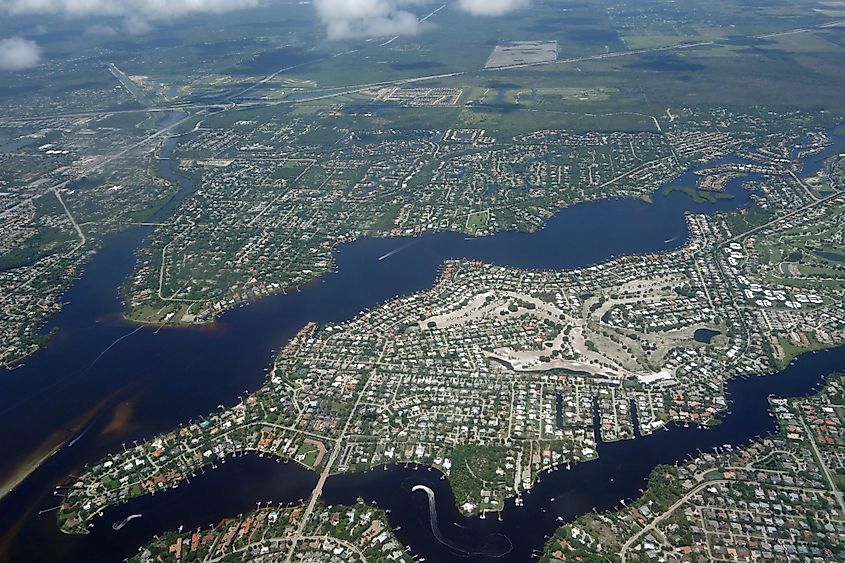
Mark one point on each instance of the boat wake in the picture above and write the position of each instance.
(78, 437)
(457, 548)
(121, 523)
(394, 251)
(109, 347)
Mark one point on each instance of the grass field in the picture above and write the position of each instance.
(477, 221)
(307, 454)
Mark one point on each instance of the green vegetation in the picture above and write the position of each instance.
(747, 219)
(664, 488)
(44, 239)
(477, 471)
(290, 169)
(806, 256)
(42, 243)
(699, 196)
(273, 530)
(307, 454)
(477, 221)
(280, 181)
(792, 351)
(387, 220)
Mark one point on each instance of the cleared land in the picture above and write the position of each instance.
(522, 52)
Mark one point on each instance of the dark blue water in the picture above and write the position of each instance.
(832, 256)
(619, 473)
(705, 335)
(515, 535)
(240, 483)
(98, 366)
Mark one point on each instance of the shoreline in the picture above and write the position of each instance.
(648, 199)
(338, 492)
(27, 467)
(718, 418)
(52, 445)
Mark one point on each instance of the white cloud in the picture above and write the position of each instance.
(492, 7)
(100, 30)
(366, 18)
(17, 53)
(136, 24)
(147, 10)
(138, 15)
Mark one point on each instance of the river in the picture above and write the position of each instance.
(101, 382)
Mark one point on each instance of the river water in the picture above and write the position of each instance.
(101, 383)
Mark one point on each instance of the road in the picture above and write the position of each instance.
(336, 446)
(676, 47)
(671, 510)
(97, 165)
(79, 232)
(130, 86)
(360, 87)
(823, 466)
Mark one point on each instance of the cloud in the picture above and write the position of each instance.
(366, 18)
(138, 15)
(100, 30)
(146, 10)
(17, 53)
(492, 7)
(136, 25)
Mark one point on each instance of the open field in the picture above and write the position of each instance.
(522, 52)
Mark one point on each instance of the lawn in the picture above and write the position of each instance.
(477, 221)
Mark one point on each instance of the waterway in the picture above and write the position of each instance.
(100, 382)
(619, 473)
